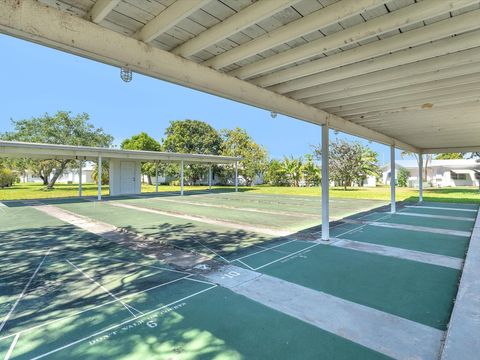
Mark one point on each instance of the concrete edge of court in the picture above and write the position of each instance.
(462, 340)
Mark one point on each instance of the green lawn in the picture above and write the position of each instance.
(467, 194)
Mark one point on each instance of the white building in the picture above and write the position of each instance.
(440, 173)
(68, 176)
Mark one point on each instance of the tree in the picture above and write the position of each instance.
(275, 173)
(192, 136)
(105, 173)
(449, 156)
(61, 128)
(403, 175)
(237, 142)
(427, 158)
(293, 169)
(311, 172)
(350, 162)
(145, 142)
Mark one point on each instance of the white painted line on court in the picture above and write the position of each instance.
(419, 256)
(440, 208)
(120, 324)
(105, 304)
(421, 228)
(261, 251)
(125, 305)
(362, 226)
(12, 346)
(245, 264)
(284, 257)
(24, 291)
(444, 217)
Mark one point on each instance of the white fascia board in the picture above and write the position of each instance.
(35, 22)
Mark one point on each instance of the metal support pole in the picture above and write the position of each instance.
(325, 185)
(80, 166)
(420, 177)
(156, 176)
(210, 177)
(236, 176)
(99, 177)
(181, 178)
(392, 179)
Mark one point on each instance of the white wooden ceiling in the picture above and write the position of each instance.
(407, 69)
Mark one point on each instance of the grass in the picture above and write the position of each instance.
(459, 195)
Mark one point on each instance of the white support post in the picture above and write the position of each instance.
(156, 176)
(236, 176)
(325, 185)
(420, 177)
(80, 165)
(99, 177)
(181, 178)
(210, 177)
(392, 179)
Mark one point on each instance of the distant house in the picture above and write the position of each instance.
(440, 173)
(68, 176)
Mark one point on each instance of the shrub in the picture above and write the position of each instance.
(7, 178)
(403, 175)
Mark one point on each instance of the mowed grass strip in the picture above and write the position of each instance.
(416, 291)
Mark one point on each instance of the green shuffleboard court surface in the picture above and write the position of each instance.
(442, 212)
(68, 294)
(441, 244)
(416, 291)
(430, 222)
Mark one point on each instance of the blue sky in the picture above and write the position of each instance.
(36, 79)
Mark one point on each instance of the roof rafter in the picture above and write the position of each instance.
(48, 26)
(436, 31)
(235, 23)
(454, 64)
(392, 21)
(310, 23)
(168, 18)
(101, 9)
(411, 55)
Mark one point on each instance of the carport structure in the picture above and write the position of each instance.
(15, 149)
(402, 73)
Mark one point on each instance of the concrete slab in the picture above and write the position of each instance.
(439, 260)
(463, 335)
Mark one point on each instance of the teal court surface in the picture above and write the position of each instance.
(82, 279)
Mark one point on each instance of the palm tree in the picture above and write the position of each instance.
(293, 169)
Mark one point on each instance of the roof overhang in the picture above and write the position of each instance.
(417, 90)
(14, 149)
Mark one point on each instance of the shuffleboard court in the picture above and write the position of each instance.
(79, 296)
(447, 224)
(440, 211)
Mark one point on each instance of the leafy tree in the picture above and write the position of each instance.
(145, 142)
(237, 142)
(293, 169)
(61, 128)
(403, 175)
(275, 173)
(192, 136)
(449, 156)
(311, 171)
(427, 159)
(350, 162)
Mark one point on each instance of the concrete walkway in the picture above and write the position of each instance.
(463, 335)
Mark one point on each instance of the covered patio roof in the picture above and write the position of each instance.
(400, 72)
(15, 149)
